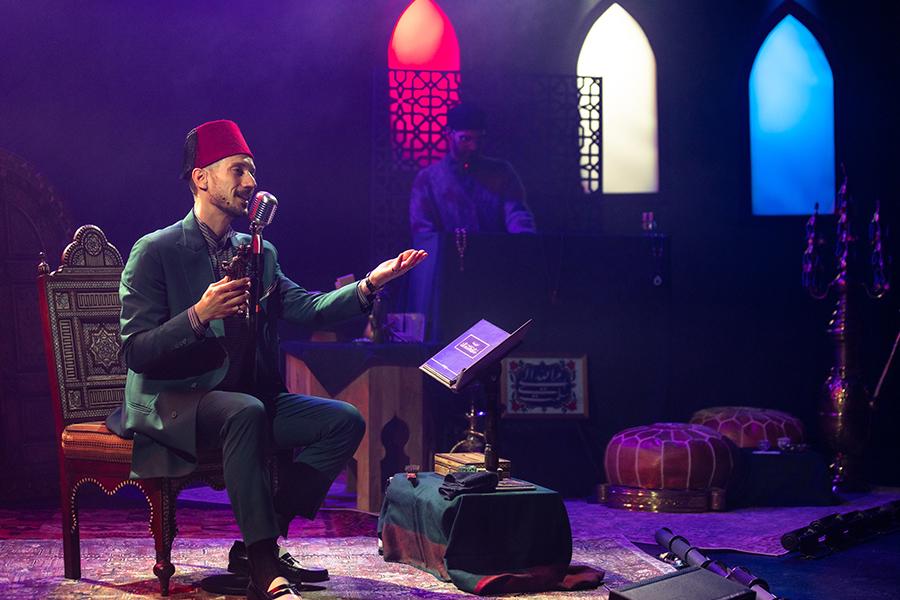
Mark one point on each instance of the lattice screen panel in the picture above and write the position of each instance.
(534, 122)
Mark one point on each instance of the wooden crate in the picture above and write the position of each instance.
(450, 462)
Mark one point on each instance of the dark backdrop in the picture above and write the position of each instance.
(98, 96)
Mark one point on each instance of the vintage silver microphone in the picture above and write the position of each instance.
(262, 209)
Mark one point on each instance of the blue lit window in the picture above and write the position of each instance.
(791, 124)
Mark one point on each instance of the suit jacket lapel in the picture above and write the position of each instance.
(195, 265)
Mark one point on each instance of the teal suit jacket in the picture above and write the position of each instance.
(169, 369)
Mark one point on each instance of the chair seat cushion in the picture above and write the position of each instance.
(94, 441)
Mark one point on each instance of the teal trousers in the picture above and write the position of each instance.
(316, 437)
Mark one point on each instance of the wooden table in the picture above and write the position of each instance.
(397, 432)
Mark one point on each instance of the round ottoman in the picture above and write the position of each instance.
(747, 426)
(667, 467)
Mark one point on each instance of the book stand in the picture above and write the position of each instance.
(473, 359)
(488, 381)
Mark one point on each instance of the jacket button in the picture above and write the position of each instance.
(174, 414)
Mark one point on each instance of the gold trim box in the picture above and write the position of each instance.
(451, 462)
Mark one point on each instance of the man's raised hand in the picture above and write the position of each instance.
(395, 267)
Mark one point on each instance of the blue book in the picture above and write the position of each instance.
(479, 346)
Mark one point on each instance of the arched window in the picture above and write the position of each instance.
(423, 76)
(617, 50)
(791, 123)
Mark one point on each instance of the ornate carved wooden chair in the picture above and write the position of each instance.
(79, 305)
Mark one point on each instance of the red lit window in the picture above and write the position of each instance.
(423, 77)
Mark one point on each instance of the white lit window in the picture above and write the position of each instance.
(617, 50)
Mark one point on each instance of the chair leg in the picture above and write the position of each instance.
(68, 508)
(162, 506)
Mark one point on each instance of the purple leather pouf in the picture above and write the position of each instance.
(747, 426)
(667, 467)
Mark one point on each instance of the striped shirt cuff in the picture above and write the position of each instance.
(364, 301)
(198, 327)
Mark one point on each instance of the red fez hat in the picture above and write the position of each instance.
(217, 139)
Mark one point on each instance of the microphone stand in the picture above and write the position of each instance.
(257, 262)
(887, 368)
(231, 583)
(490, 381)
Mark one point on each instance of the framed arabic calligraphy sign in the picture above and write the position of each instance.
(544, 386)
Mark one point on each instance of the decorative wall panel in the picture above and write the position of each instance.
(32, 220)
(534, 121)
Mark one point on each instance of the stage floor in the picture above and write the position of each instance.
(117, 551)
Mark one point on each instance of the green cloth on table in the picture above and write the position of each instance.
(480, 482)
(490, 543)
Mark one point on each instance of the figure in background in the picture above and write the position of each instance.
(185, 342)
(467, 190)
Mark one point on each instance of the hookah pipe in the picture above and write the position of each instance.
(845, 413)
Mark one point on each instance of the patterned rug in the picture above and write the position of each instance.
(754, 530)
(121, 568)
(193, 522)
(117, 550)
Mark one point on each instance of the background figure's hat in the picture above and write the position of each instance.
(212, 141)
(466, 117)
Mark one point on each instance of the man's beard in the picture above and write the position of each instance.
(234, 206)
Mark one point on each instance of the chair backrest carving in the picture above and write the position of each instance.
(80, 313)
(90, 248)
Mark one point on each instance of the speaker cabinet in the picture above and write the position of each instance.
(692, 583)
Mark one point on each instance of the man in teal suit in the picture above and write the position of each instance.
(184, 340)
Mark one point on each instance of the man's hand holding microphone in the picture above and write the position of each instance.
(223, 298)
